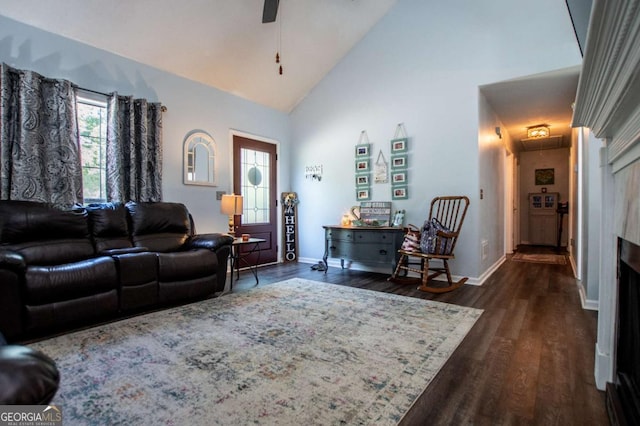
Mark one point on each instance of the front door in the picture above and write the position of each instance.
(254, 177)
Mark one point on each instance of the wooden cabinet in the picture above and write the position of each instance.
(543, 226)
(363, 244)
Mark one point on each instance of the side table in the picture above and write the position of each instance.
(240, 251)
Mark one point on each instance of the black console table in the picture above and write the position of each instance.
(363, 244)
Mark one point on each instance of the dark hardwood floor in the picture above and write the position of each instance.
(528, 360)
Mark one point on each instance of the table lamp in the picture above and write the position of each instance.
(231, 205)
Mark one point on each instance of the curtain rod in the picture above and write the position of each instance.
(162, 107)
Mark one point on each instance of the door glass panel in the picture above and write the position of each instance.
(255, 174)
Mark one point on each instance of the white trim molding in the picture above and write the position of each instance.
(608, 98)
(608, 102)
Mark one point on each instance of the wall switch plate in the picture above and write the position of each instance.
(219, 195)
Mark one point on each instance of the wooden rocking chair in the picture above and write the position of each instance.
(449, 213)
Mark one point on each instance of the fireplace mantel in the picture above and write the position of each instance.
(608, 98)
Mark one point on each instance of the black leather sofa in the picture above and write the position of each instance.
(67, 268)
(27, 376)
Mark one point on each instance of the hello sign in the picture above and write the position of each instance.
(290, 225)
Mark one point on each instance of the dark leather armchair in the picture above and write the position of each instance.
(27, 376)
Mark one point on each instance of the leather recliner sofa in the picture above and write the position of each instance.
(66, 268)
(27, 376)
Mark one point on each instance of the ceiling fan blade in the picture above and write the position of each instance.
(270, 11)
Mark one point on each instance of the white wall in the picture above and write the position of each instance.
(585, 211)
(190, 106)
(557, 159)
(422, 65)
(574, 216)
(592, 212)
(492, 176)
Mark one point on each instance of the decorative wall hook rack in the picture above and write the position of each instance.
(313, 172)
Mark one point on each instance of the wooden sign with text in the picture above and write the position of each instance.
(290, 225)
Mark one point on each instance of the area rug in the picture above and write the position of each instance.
(554, 259)
(294, 352)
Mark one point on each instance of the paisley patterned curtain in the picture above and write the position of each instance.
(39, 151)
(134, 149)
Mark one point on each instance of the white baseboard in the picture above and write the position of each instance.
(486, 274)
(591, 305)
(603, 370)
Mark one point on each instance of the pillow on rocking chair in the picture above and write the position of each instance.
(430, 242)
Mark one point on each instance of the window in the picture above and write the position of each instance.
(92, 126)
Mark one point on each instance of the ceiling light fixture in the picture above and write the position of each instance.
(538, 131)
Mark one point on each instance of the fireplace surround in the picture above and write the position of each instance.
(608, 104)
(623, 394)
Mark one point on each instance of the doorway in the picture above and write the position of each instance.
(514, 107)
(544, 185)
(255, 178)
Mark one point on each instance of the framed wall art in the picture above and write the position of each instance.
(399, 164)
(362, 179)
(545, 176)
(399, 145)
(363, 194)
(362, 166)
(399, 178)
(363, 150)
(399, 161)
(399, 193)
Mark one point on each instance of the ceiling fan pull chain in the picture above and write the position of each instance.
(279, 40)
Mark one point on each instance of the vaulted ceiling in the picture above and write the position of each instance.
(224, 44)
(221, 43)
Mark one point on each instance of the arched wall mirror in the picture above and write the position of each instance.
(199, 159)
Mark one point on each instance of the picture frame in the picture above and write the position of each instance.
(362, 165)
(544, 176)
(400, 192)
(363, 150)
(399, 178)
(399, 161)
(399, 145)
(363, 179)
(363, 194)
